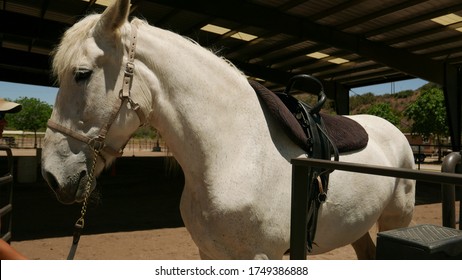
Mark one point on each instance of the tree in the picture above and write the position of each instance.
(33, 116)
(384, 110)
(428, 114)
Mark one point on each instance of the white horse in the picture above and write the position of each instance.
(235, 156)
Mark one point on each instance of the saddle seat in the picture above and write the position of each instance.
(346, 134)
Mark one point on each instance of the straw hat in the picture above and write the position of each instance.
(9, 107)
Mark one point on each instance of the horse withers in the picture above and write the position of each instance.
(116, 75)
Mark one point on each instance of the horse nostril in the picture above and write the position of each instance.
(83, 173)
(51, 180)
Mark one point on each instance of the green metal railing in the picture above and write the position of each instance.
(301, 186)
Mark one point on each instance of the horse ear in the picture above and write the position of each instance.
(115, 16)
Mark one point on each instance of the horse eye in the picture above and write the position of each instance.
(81, 75)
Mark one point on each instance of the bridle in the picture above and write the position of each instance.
(97, 143)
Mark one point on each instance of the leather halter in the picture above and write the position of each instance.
(98, 142)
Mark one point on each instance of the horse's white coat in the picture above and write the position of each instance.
(235, 157)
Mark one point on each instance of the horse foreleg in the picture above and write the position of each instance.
(364, 247)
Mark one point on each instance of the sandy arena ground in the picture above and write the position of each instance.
(167, 243)
(164, 244)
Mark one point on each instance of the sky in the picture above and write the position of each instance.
(380, 89)
(14, 91)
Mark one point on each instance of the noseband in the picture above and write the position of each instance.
(98, 143)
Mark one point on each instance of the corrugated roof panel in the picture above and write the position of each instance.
(182, 20)
(60, 17)
(346, 14)
(311, 8)
(441, 47)
(275, 55)
(151, 12)
(24, 7)
(257, 47)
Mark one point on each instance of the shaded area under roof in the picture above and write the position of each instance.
(372, 41)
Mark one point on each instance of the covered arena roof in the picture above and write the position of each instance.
(345, 43)
(350, 43)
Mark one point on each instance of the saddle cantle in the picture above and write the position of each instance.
(322, 136)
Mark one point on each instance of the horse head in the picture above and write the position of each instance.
(94, 114)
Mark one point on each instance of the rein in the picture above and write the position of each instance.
(97, 144)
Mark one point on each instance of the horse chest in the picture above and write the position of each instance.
(230, 229)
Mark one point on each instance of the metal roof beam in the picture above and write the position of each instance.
(23, 67)
(380, 13)
(414, 20)
(335, 9)
(274, 20)
(51, 30)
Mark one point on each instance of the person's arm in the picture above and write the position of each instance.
(9, 253)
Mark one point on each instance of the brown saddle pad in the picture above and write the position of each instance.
(346, 134)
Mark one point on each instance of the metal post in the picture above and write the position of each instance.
(418, 156)
(448, 191)
(298, 216)
(301, 169)
(6, 181)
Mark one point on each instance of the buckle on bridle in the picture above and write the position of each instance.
(97, 143)
(129, 68)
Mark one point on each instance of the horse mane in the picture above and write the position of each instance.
(65, 54)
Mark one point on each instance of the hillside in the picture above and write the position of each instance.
(398, 102)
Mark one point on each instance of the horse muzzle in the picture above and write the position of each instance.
(71, 191)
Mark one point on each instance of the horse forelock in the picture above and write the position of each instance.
(70, 48)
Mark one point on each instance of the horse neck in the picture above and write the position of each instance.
(203, 107)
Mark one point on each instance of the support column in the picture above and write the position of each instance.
(453, 98)
(340, 94)
(342, 99)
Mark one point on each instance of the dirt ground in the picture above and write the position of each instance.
(164, 244)
(147, 226)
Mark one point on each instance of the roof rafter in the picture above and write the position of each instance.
(272, 19)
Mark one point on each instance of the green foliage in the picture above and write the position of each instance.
(359, 100)
(384, 110)
(145, 133)
(429, 86)
(404, 94)
(428, 113)
(33, 116)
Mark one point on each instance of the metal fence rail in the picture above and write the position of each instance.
(6, 196)
(137, 144)
(301, 184)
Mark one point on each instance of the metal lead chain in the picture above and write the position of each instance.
(79, 225)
